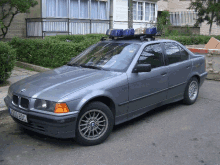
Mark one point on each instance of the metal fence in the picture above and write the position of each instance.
(40, 27)
(183, 18)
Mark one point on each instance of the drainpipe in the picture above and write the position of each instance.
(130, 14)
(111, 15)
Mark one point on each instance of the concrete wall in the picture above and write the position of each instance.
(18, 25)
(177, 5)
(162, 5)
(204, 29)
(35, 12)
(213, 65)
(180, 29)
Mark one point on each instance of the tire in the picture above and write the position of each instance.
(191, 92)
(94, 124)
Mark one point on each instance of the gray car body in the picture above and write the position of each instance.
(128, 94)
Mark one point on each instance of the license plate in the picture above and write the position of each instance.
(18, 115)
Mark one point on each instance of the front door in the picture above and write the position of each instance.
(148, 88)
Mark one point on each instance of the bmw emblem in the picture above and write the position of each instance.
(23, 90)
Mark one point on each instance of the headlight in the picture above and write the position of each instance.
(10, 93)
(45, 105)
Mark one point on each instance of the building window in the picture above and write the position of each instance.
(76, 9)
(152, 15)
(134, 10)
(103, 10)
(94, 7)
(144, 11)
(147, 11)
(140, 11)
(84, 4)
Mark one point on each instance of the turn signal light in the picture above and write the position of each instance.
(61, 108)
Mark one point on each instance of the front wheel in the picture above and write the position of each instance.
(94, 124)
(191, 91)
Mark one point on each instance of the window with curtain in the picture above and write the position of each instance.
(84, 8)
(134, 10)
(62, 8)
(140, 10)
(152, 12)
(147, 11)
(102, 9)
(94, 9)
(51, 8)
(74, 9)
(57, 8)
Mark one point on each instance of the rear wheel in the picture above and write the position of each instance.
(191, 91)
(94, 124)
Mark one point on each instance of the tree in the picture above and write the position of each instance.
(8, 10)
(163, 22)
(208, 10)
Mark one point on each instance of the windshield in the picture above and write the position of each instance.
(107, 56)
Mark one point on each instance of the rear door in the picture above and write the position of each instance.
(179, 68)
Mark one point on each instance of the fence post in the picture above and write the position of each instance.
(26, 27)
(90, 26)
(68, 21)
(42, 27)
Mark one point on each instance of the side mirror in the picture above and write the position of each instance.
(142, 68)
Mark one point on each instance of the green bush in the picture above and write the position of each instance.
(52, 51)
(77, 38)
(7, 61)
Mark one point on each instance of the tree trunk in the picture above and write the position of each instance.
(210, 27)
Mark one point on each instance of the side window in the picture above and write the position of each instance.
(172, 52)
(184, 54)
(152, 54)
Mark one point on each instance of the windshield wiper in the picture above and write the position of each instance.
(92, 67)
(69, 64)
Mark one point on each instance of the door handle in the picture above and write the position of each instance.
(187, 67)
(164, 73)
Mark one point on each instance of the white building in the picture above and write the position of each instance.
(144, 11)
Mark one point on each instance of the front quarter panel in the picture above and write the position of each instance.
(115, 89)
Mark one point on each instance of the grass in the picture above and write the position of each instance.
(6, 83)
(27, 68)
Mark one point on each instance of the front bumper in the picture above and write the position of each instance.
(55, 126)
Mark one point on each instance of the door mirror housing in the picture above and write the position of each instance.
(142, 68)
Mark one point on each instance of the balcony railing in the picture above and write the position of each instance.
(183, 18)
(41, 27)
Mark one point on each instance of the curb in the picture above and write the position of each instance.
(203, 50)
(32, 66)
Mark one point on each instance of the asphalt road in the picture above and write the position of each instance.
(175, 134)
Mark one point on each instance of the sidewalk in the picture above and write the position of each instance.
(17, 74)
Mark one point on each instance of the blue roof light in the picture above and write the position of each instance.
(128, 32)
(116, 33)
(151, 31)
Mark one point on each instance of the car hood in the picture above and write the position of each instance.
(54, 84)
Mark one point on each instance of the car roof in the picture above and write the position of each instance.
(136, 41)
